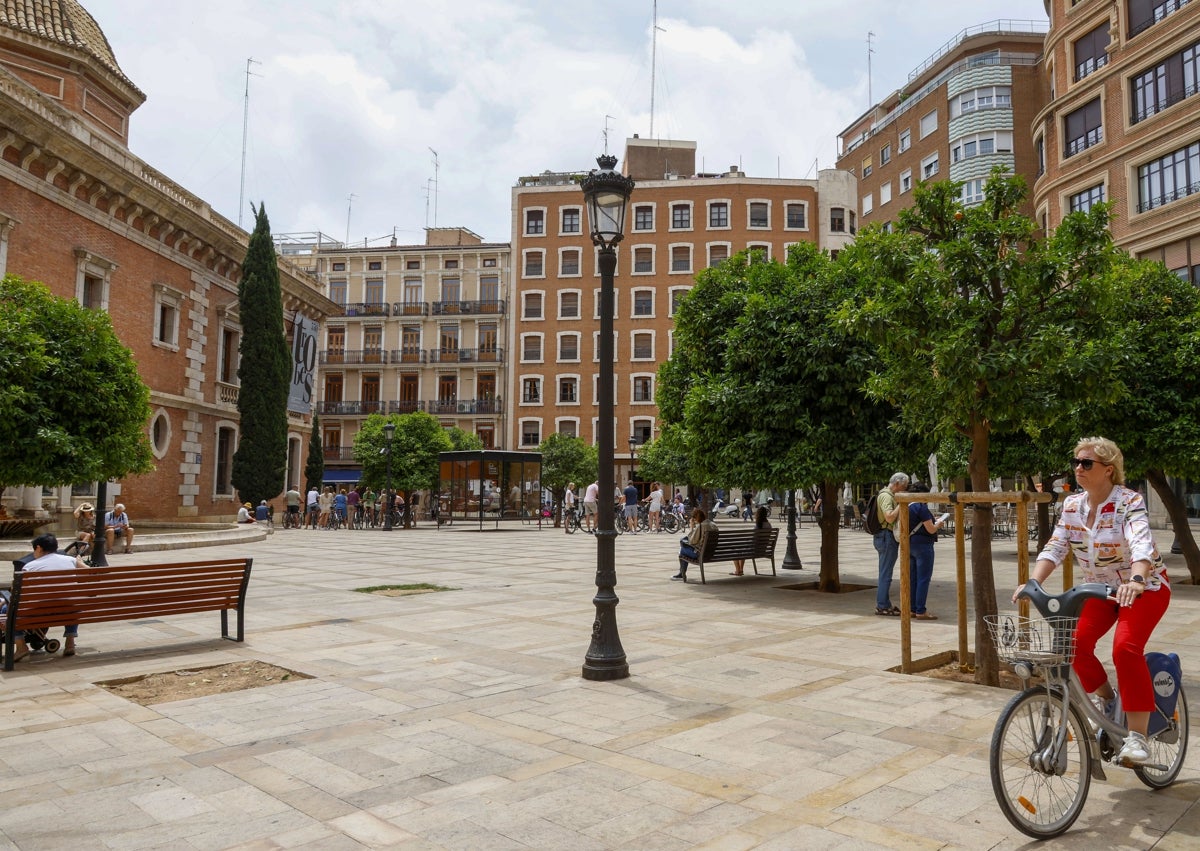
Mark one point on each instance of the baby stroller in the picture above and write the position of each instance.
(35, 639)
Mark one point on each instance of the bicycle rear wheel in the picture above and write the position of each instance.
(571, 521)
(1168, 748)
(1039, 792)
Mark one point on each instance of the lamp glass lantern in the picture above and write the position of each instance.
(607, 194)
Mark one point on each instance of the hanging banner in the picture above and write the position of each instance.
(304, 364)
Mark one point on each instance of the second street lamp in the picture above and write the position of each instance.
(606, 193)
(389, 431)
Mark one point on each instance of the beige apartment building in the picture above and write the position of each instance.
(1122, 123)
(421, 328)
(963, 111)
(678, 223)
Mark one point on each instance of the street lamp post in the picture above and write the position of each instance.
(606, 193)
(632, 457)
(791, 560)
(389, 431)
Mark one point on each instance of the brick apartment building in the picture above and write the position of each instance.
(1122, 123)
(82, 214)
(417, 328)
(964, 110)
(678, 223)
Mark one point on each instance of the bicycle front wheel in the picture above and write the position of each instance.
(1168, 748)
(1039, 791)
(570, 522)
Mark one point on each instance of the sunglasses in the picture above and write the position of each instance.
(1085, 463)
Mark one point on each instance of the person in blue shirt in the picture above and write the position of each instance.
(631, 506)
(339, 504)
(263, 512)
(923, 532)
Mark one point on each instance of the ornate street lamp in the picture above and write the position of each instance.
(791, 560)
(606, 193)
(633, 457)
(389, 431)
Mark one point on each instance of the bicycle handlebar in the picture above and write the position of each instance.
(1067, 604)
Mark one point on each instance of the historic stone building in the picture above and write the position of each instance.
(82, 214)
(678, 223)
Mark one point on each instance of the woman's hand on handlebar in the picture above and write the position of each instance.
(1017, 593)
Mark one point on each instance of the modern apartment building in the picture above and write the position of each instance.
(1122, 123)
(963, 111)
(420, 328)
(678, 223)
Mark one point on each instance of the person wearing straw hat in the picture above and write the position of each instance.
(85, 522)
(244, 515)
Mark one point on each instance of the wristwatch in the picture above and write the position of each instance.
(1137, 577)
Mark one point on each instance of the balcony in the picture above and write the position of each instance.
(338, 453)
(351, 409)
(364, 308)
(410, 308)
(463, 407)
(464, 308)
(487, 355)
(408, 354)
(405, 406)
(338, 356)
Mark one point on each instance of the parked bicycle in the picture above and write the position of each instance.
(1050, 740)
(572, 520)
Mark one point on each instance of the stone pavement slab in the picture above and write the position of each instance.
(755, 716)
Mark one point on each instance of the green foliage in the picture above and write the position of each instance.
(314, 467)
(567, 459)
(264, 372)
(418, 440)
(72, 406)
(463, 441)
(666, 459)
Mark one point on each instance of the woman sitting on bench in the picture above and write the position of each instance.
(760, 522)
(689, 544)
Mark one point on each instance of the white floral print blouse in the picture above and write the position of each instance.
(1106, 551)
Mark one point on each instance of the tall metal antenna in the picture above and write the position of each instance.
(653, 63)
(349, 207)
(606, 120)
(870, 50)
(245, 130)
(435, 184)
(428, 192)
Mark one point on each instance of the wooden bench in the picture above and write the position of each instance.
(52, 598)
(732, 543)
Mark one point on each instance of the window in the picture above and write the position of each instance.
(928, 123)
(412, 264)
(228, 355)
(568, 304)
(451, 264)
(531, 391)
(929, 166)
(681, 258)
(979, 144)
(223, 476)
(531, 348)
(868, 204)
(718, 214)
(718, 253)
(337, 292)
(1091, 51)
(837, 220)
(568, 261)
(596, 348)
(412, 295)
(373, 290)
(168, 304)
(338, 267)
(985, 97)
(760, 214)
(1144, 14)
(1083, 201)
(568, 391)
(642, 431)
(643, 388)
(568, 346)
(531, 432)
(681, 216)
(160, 433)
(643, 260)
(905, 180)
(93, 276)
(677, 295)
(374, 265)
(535, 222)
(569, 427)
(643, 345)
(1083, 128)
(905, 141)
(1169, 178)
(1166, 84)
(570, 220)
(535, 260)
(533, 306)
(972, 192)
(1039, 150)
(797, 215)
(643, 302)
(643, 217)
(885, 155)
(615, 303)
(866, 167)
(489, 262)
(885, 193)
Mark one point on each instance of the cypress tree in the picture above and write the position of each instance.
(260, 462)
(314, 468)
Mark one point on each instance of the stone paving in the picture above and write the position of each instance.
(755, 716)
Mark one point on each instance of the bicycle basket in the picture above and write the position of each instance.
(1039, 641)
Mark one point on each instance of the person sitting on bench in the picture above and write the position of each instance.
(689, 544)
(116, 522)
(47, 557)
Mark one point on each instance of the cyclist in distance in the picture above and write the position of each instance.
(1108, 528)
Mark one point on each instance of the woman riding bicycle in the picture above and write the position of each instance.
(1108, 528)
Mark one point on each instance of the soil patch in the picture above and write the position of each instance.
(403, 590)
(945, 666)
(186, 683)
(846, 587)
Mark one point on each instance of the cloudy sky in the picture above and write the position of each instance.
(351, 96)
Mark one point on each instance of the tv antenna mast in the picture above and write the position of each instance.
(435, 184)
(653, 63)
(870, 50)
(245, 129)
(349, 207)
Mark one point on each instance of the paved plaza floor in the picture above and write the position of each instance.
(755, 716)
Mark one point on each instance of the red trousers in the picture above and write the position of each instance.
(1134, 625)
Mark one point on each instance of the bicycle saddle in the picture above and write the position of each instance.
(1067, 604)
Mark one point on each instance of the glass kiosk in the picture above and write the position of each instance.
(488, 485)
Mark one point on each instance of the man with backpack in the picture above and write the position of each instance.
(883, 513)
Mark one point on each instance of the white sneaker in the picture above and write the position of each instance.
(1135, 751)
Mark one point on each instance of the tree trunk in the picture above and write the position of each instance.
(987, 664)
(830, 524)
(1177, 511)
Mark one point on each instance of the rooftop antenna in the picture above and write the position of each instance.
(435, 184)
(606, 120)
(811, 168)
(653, 63)
(428, 192)
(870, 50)
(349, 206)
(245, 129)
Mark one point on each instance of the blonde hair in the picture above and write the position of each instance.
(1108, 453)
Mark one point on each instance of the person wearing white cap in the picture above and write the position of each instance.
(116, 522)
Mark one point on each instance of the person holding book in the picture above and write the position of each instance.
(923, 532)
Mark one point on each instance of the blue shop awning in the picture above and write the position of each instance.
(341, 476)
